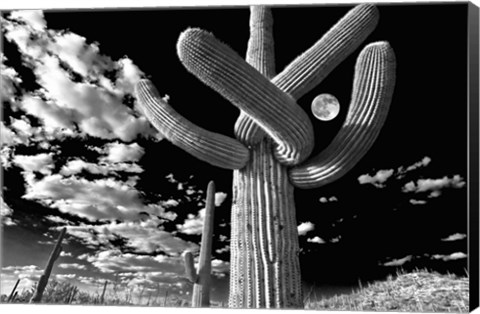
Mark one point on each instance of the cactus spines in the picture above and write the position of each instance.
(264, 264)
(202, 279)
(42, 282)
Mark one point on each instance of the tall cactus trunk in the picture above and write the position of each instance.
(265, 270)
(42, 282)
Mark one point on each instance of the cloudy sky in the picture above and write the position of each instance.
(76, 151)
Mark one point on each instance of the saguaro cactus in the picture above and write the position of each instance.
(71, 295)
(274, 138)
(42, 282)
(12, 294)
(202, 279)
(102, 297)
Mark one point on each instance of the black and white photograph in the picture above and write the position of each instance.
(311, 156)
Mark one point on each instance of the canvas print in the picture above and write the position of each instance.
(302, 156)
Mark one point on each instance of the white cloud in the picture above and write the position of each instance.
(455, 237)
(398, 262)
(72, 266)
(7, 136)
(27, 272)
(451, 257)
(323, 199)
(103, 199)
(65, 254)
(51, 115)
(423, 163)
(76, 166)
(94, 103)
(434, 186)
(18, 269)
(9, 80)
(402, 171)
(82, 57)
(193, 224)
(336, 240)
(7, 221)
(170, 178)
(5, 210)
(58, 220)
(161, 277)
(143, 236)
(220, 268)
(130, 75)
(119, 152)
(98, 112)
(417, 202)
(316, 240)
(64, 277)
(170, 203)
(21, 126)
(305, 227)
(378, 179)
(220, 198)
(93, 281)
(33, 18)
(223, 249)
(42, 163)
(109, 261)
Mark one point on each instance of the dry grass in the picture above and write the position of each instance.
(419, 291)
(61, 293)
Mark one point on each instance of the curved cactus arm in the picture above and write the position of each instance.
(372, 93)
(190, 267)
(218, 66)
(310, 68)
(260, 55)
(216, 149)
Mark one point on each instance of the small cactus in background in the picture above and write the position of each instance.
(71, 295)
(42, 282)
(102, 297)
(12, 294)
(202, 279)
(274, 139)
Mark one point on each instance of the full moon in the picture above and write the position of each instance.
(325, 107)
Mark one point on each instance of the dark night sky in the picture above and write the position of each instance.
(428, 117)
